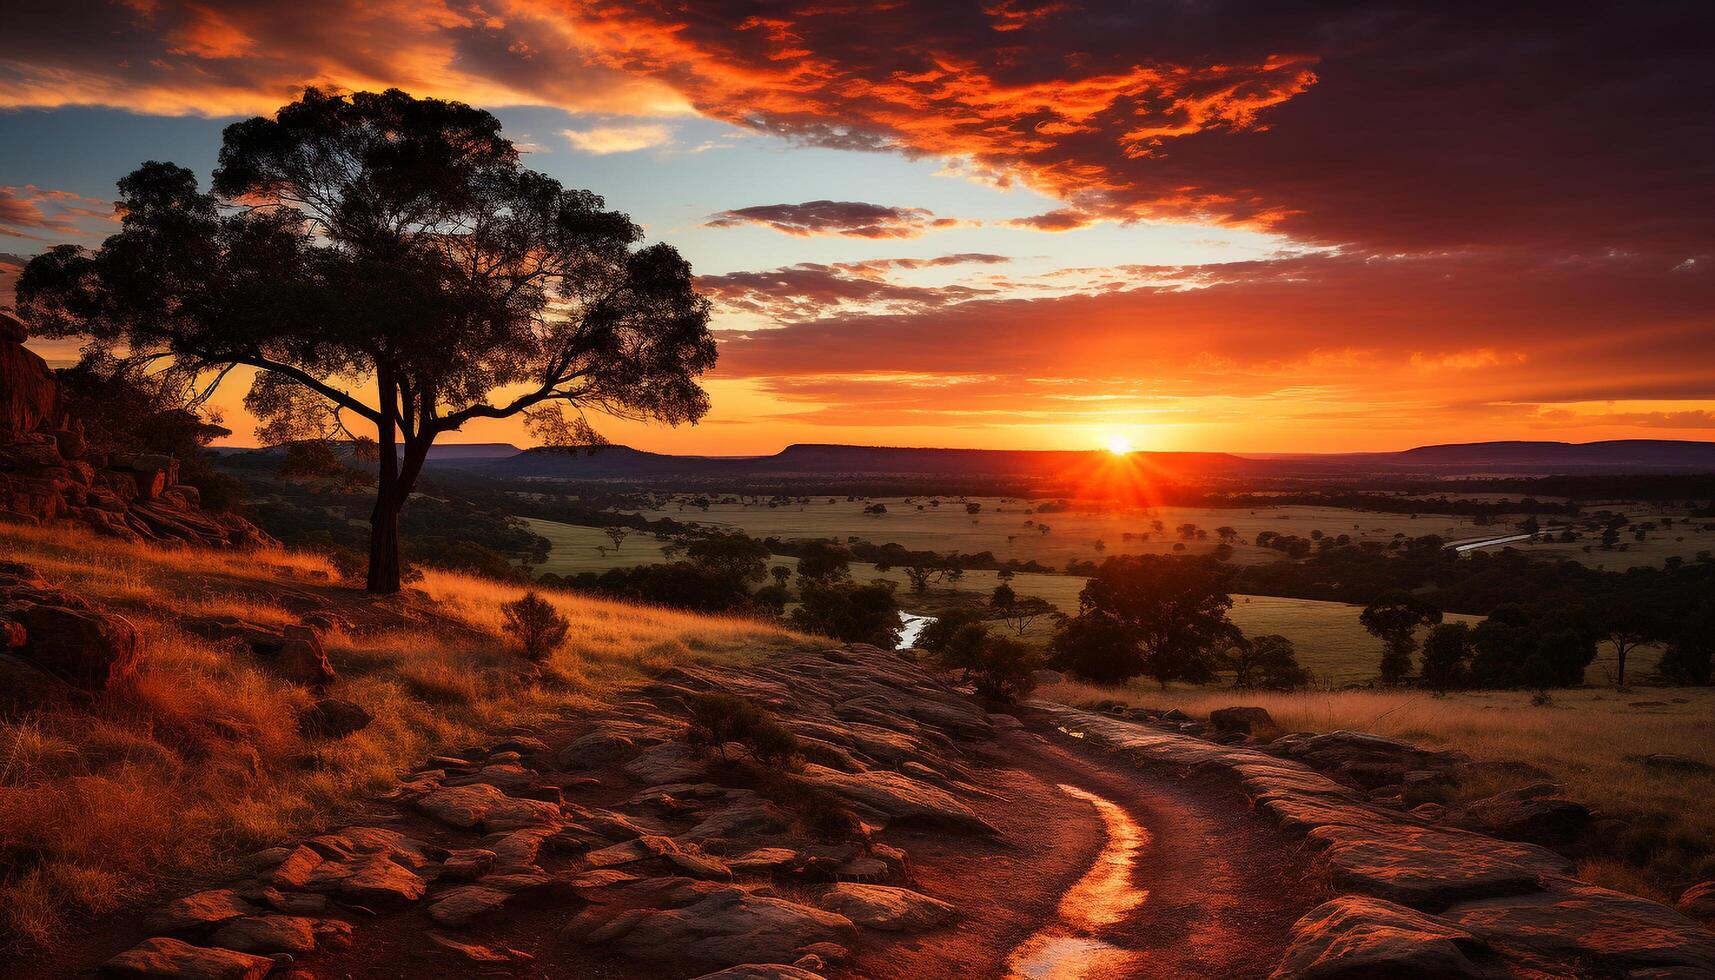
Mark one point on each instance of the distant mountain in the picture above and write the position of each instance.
(828, 461)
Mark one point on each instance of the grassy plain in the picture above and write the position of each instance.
(1591, 741)
(199, 760)
(1000, 528)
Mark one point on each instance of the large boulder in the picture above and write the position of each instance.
(1698, 901)
(29, 397)
(898, 796)
(1251, 721)
(1614, 934)
(302, 660)
(88, 649)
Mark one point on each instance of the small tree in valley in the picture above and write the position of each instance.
(1394, 619)
(537, 625)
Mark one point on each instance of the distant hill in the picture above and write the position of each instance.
(824, 460)
(623, 462)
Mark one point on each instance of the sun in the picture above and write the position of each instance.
(1119, 445)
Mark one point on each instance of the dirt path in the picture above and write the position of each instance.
(1210, 889)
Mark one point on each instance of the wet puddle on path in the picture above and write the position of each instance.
(1070, 948)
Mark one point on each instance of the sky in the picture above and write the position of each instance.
(1218, 225)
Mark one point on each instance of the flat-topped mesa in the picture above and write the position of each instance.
(51, 473)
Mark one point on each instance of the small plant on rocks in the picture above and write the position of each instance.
(538, 626)
(718, 720)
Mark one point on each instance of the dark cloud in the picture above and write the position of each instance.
(853, 219)
(811, 290)
(30, 212)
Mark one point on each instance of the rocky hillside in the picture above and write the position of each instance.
(51, 473)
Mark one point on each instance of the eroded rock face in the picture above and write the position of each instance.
(1621, 933)
(1246, 720)
(898, 796)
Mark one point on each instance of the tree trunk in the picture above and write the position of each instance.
(384, 571)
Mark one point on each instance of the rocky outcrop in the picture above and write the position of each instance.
(1425, 900)
(51, 474)
(700, 873)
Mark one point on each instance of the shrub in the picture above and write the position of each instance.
(852, 613)
(720, 719)
(1005, 669)
(539, 627)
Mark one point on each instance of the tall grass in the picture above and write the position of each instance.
(170, 778)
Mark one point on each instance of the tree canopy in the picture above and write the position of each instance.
(1159, 616)
(380, 243)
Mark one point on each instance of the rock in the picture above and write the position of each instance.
(886, 907)
(1356, 938)
(1668, 762)
(1527, 814)
(467, 864)
(1698, 901)
(729, 927)
(482, 805)
(1248, 720)
(898, 796)
(479, 952)
(1432, 868)
(374, 881)
(462, 906)
(1615, 934)
(204, 910)
(670, 762)
(164, 957)
(631, 851)
(302, 660)
(331, 718)
(29, 397)
(1043, 678)
(522, 744)
(87, 649)
(294, 872)
(700, 865)
(266, 934)
(761, 971)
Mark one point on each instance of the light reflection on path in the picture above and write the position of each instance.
(1069, 949)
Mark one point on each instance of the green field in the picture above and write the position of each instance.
(1331, 645)
(1001, 528)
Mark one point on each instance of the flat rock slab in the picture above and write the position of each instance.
(1358, 938)
(761, 971)
(165, 957)
(485, 807)
(204, 910)
(1432, 869)
(669, 762)
(264, 934)
(727, 928)
(463, 905)
(887, 908)
(898, 796)
(1622, 933)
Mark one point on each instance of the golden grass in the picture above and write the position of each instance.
(199, 760)
(1590, 740)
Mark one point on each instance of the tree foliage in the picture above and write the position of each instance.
(1163, 616)
(380, 242)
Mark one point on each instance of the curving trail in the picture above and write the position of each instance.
(1106, 871)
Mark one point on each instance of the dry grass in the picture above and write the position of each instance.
(1592, 742)
(199, 760)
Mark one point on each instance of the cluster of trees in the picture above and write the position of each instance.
(1166, 618)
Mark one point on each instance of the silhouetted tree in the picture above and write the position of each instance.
(1394, 619)
(1266, 661)
(1172, 615)
(380, 241)
(822, 562)
(1446, 652)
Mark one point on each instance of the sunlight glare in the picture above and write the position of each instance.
(1119, 445)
